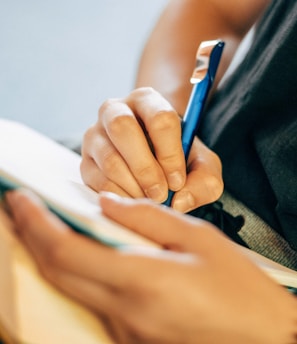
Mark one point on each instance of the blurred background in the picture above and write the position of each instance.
(60, 59)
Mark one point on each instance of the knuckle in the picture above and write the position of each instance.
(88, 142)
(106, 105)
(142, 172)
(88, 137)
(143, 91)
(110, 163)
(120, 124)
(88, 134)
(215, 187)
(165, 121)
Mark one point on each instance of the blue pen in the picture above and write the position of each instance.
(207, 60)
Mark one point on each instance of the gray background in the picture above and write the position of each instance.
(60, 59)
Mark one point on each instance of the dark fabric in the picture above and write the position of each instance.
(228, 223)
(252, 122)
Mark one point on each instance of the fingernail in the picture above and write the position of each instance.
(184, 201)
(156, 192)
(175, 181)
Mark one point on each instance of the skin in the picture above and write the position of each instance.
(168, 57)
(117, 154)
(134, 149)
(192, 292)
(200, 289)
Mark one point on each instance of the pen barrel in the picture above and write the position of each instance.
(193, 113)
(198, 97)
(169, 198)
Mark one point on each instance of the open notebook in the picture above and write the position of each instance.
(31, 311)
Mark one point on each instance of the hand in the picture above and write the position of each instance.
(135, 150)
(205, 291)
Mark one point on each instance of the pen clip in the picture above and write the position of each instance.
(207, 60)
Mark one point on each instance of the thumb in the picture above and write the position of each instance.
(166, 227)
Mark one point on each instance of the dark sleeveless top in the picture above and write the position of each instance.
(252, 122)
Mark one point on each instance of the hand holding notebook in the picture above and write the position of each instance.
(55, 177)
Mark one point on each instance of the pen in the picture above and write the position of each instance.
(207, 60)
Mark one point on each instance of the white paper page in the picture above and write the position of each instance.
(31, 159)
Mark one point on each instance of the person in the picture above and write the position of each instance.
(200, 288)
(235, 126)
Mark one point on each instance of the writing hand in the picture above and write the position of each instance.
(135, 150)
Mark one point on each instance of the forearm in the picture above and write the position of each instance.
(169, 55)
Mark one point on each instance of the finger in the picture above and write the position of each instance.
(53, 244)
(164, 129)
(126, 134)
(49, 238)
(204, 182)
(160, 224)
(108, 166)
(95, 179)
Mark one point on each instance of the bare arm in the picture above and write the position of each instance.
(168, 57)
(127, 128)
